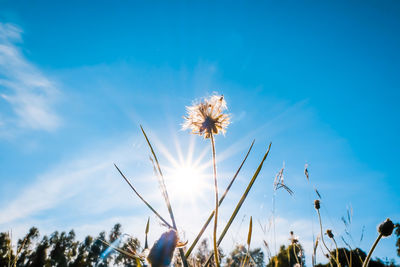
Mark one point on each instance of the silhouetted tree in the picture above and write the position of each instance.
(95, 250)
(63, 248)
(288, 256)
(239, 255)
(202, 253)
(6, 253)
(131, 245)
(82, 259)
(39, 257)
(99, 255)
(115, 233)
(357, 258)
(397, 232)
(25, 246)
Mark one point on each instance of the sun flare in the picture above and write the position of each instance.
(186, 181)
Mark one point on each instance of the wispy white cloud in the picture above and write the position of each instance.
(49, 191)
(87, 184)
(28, 92)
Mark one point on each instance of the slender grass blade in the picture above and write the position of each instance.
(196, 240)
(239, 204)
(165, 193)
(144, 201)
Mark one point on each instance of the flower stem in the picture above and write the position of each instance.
(216, 201)
(337, 253)
(240, 203)
(351, 257)
(295, 253)
(366, 261)
(323, 241)
(219, 204)
(322, 234)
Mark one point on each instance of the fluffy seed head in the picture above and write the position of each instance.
(386, 228)
(207, 117)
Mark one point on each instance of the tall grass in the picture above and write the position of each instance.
(207, 119)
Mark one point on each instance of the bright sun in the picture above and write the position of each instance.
(187, 174)
(186, 181)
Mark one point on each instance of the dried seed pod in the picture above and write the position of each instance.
(317, 204)
(329, 233)
(386, 228)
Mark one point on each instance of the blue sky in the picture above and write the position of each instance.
(317, 79)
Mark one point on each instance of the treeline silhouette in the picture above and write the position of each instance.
(61, 249)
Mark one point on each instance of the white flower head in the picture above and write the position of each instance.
(207, 117)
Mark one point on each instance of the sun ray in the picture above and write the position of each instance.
(187, 169)
(178, 149)
(161, 148)
(192, 145)
(205, 151)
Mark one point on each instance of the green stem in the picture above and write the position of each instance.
(337, 253)
(216, 201)
(351, 258)
(220, 202)
(245, 259)
(344, 252)
(239, 204)
(347, 258)
(9, 249)
(295, 254)
(366, 261)
(165, 193)
(314, 255)
(322, 234)
(273, 219)
(322, 238)
(141, 198)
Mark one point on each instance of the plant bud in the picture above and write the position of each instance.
(163, 249)
(317, 204)
(329, 233)
(386, 228)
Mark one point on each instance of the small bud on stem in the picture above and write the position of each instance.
(317, 204)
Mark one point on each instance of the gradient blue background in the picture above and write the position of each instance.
(320, 79)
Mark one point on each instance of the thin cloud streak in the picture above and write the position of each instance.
(47, 193)
(70, 184)
(28, 92)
